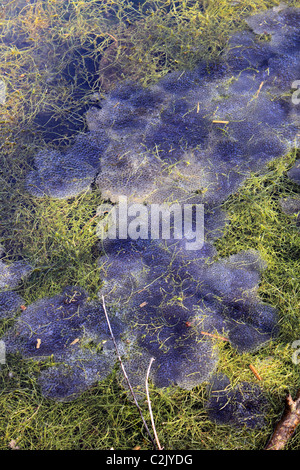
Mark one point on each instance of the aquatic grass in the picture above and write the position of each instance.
(103, 419)
(59, 238)
(91, 423)
(173, 36)
(50, 51)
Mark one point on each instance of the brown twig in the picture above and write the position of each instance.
(258, 91)
(286, 427)
(252, 368)
(111, 36)
(125, 374)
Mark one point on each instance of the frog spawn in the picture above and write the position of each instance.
(175, 307)
(200, 131)
(193, 137)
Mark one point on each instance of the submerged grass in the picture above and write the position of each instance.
(55, 55)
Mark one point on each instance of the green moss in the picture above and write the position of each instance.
(39, 44)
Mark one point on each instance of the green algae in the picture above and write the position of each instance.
(58, 237)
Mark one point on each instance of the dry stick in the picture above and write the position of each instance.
(149, 405)
(286, 427)
(125, 374)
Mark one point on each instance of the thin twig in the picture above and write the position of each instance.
(125, 374)
(111, 36)
(149, 405)
(258, 91)
(214, 336)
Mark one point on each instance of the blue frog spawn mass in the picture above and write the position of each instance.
(193, 137)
